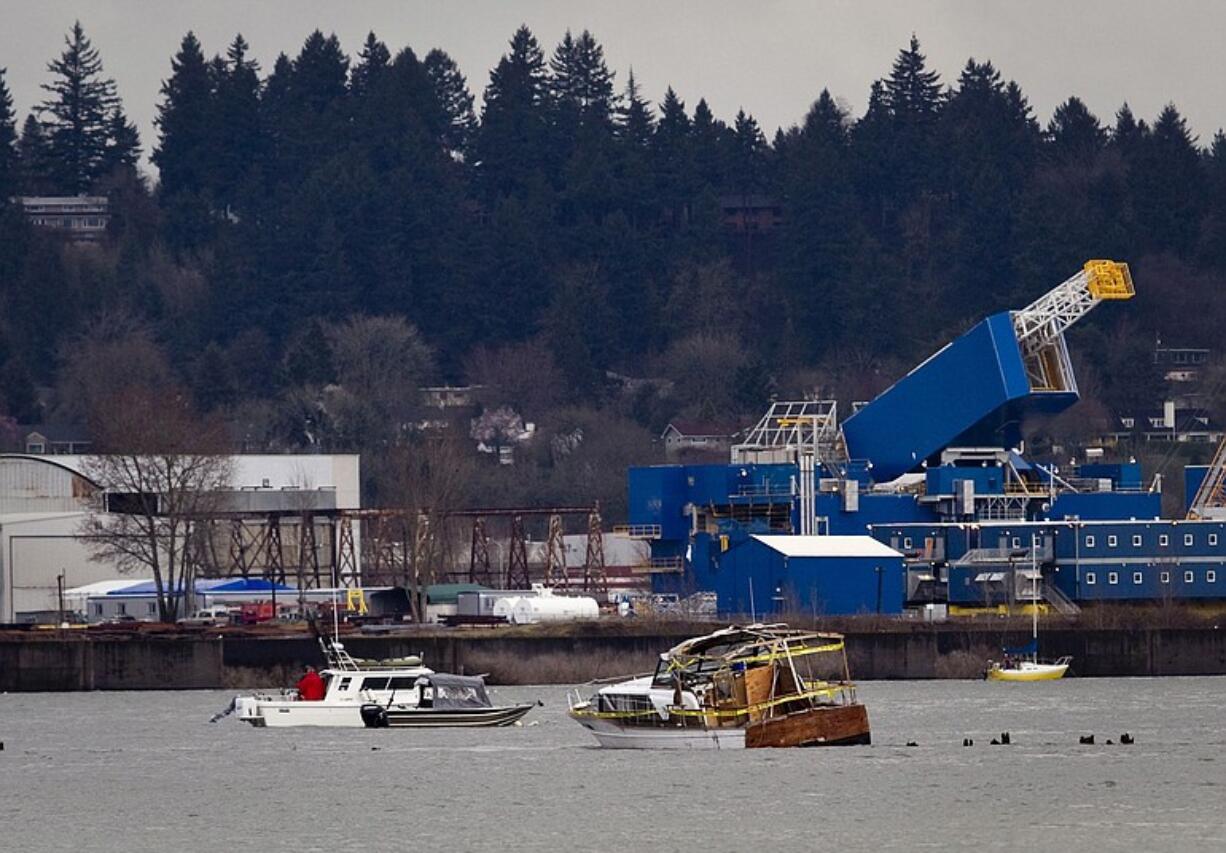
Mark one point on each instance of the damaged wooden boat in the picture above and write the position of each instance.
(738, 688)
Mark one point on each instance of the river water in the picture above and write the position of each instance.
(147, 772)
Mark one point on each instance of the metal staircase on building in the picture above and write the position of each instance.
(1059, 602)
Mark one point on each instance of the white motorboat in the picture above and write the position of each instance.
(350, 683)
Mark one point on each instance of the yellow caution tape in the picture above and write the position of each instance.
(711, 712)
(684, 661)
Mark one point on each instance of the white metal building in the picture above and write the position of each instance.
(44, 502)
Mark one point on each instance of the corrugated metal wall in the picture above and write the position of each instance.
(36, 485)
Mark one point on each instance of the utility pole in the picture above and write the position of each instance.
(59, 590)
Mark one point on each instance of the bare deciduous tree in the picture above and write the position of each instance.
(114, 354)
(162, 468)
(380, 363)
(424, 480)
(523, 376)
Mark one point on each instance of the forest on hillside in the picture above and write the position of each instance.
(325, 236)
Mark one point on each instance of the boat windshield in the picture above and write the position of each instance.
(705, 666)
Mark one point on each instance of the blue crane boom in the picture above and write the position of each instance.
(976, 390)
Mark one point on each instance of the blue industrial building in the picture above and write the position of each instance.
(777, 575)
(933, 469)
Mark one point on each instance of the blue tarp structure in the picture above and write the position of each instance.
(212, 586)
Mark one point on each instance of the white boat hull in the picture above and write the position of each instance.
(288, 713)
(1029, 672)
(612, 736)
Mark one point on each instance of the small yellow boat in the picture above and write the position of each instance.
(1028, 670)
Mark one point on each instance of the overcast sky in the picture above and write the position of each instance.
(771, 58)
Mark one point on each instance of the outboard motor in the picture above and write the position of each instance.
(374, 716)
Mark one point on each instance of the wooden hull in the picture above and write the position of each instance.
(422, 718)
(836, 725)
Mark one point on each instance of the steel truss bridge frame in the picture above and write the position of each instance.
(318, 548)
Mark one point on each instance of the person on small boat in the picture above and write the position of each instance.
(311, 686)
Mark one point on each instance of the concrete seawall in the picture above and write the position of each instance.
(563, 655)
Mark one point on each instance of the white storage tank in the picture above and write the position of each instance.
(547, 607)
(505, 607)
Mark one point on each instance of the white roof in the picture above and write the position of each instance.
(827, 546)
(102, 587)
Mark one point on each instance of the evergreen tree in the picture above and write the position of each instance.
(1075, 134)
(1167, 184)
(186, 119)
(79, 110)
(1213, 240)
(912, 92)
(514, 122)
(635, 121)
(581, 82)
(317, 113)
(672, 156)
(912, 97)
(9, 169)
(34, 157)
(373, 61)
(238, 142)
(988, 142)
(1128, 133)
(454, 101)
(122, 145)
(707, 137)
(748, 154)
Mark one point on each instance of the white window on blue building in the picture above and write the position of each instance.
(1089, 579)
(1111, 541)
(1089, 541)
(1212, 538)
(906, 543)
(1136, 540)
(1165, 577)
(1113, 578)
(1136, 577)
(1164, 540)
(1189, 577)
(1211, 576)
(1188, 539)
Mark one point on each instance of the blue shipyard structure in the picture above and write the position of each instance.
(931, 469)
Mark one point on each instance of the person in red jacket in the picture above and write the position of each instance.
(311, 686)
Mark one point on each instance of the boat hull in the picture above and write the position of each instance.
(290, 713)
(613, 736)
(838, 725)
(841, 725)
(377, 717)
(1033, 672)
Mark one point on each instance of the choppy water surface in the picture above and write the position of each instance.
(146, 771)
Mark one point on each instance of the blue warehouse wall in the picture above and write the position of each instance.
(831, 586)
(873, 509)
(1105, 506)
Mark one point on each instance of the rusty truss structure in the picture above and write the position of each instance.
(390, 547)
